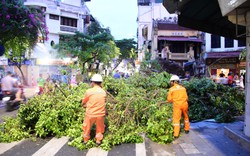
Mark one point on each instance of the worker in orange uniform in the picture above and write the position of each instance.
(94, 102)
(178, 96)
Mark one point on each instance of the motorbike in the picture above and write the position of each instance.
(8, 99)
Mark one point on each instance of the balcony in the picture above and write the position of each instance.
(178, 56)
(68, 29)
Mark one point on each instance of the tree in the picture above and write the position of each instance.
(96, 45)
(127, 50)
(20, 27)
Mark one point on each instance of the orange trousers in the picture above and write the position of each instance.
(177, 112)
(87, 125)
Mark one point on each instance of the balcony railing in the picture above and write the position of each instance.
(68, 29)
(178, 56)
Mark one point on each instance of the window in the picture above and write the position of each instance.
(69, 21)
(229, 43)
(143, 2)
(215, 41)
(54, 17)
(241, 43)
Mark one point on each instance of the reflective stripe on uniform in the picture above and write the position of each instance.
(176, 124)
(86, 136)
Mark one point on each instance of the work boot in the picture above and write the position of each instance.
(98, 143)
(186, 131)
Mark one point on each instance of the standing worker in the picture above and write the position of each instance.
(178, 96)
(94, 102)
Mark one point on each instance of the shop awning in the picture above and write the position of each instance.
(229, 57)
(189, 39)
(227, 54)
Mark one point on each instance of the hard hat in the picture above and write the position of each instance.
(174, 78)
(96, 78)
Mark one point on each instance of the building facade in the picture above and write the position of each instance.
(62, 17)
(148, 10)
(222, 55)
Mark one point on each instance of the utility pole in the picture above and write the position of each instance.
(247, 87)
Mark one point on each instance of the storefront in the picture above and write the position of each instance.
(225, 62)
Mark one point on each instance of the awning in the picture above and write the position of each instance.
(229, 57)
(169, 38)
(228, 54)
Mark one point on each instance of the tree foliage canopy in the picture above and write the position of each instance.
(20, 25)
(96, 44)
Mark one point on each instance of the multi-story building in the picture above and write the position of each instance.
(148, 10)
(62, 17)
(222, 54)
(173, 42)
(160, 35)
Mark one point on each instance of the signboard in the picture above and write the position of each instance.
(232, 60)
(3, 61)
(53, 62)
(13, 63)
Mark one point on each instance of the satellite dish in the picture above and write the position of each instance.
(2, 50)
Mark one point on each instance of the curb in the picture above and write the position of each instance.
(235, 132)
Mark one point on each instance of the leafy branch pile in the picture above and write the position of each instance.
(210, 100)
(135, 106)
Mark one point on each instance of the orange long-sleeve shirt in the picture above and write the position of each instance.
(95, 98)
(178, 95)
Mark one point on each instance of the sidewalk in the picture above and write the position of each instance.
(209, 138)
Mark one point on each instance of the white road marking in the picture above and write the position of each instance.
(6, 146)
(140, 149)
(52, 147)
(97, 152)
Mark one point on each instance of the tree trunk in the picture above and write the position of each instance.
(22, 78)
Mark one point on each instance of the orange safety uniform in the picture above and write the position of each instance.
(94, 99)
(178, 96)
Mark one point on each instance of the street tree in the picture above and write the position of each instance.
(20, 27)
(127, 50)
(97, 45)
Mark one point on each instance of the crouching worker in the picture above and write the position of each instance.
(178, 96)
(94, 102)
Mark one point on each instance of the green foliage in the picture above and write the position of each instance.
(135, 106)
(210, 100)
(97, 45)
(12, 130)
(20, 25)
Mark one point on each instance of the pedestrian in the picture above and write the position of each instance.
(178, 96)
(73, 82)
(94, 102)
(222, 74)
(40, 82)
(242, 80)
(230, 79)
(117, 75)
(79, 77)
(187, 76)
(65, 78)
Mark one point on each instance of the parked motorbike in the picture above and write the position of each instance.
(8, 99)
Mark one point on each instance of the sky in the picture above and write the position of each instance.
(119, 15)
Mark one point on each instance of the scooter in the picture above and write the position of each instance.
(9, 100)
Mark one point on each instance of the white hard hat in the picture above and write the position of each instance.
(96, 78)
(174, 78)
